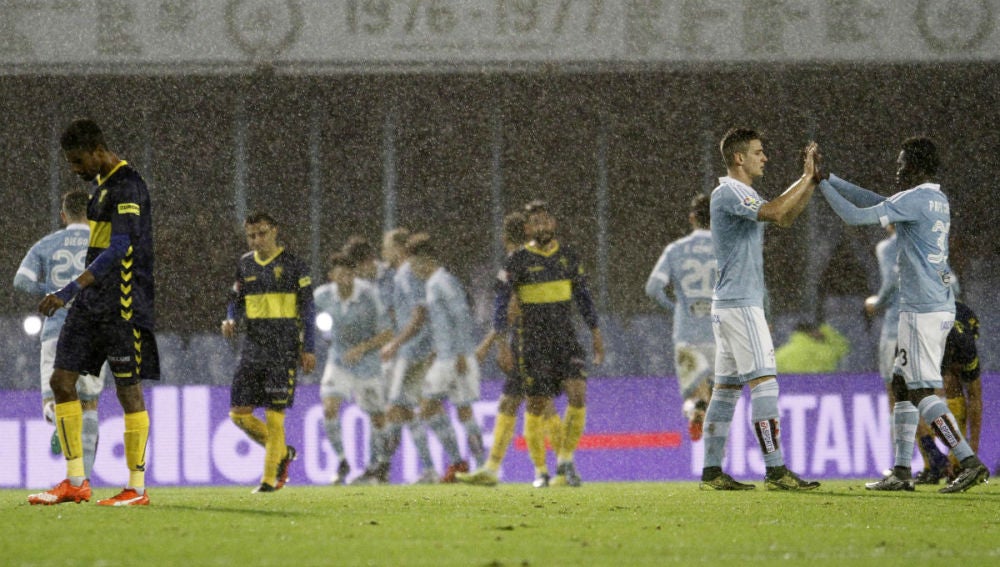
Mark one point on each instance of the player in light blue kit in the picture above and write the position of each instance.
(360, 326)
(53, 262)
(744, 350)
(922, 217)
(688, 267)
(454, 374)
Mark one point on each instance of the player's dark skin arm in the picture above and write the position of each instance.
(50, 303)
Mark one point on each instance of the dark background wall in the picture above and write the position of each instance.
(662, 130)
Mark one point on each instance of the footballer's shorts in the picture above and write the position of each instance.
(886, 358)
(367, 392)
(267, 383)
(694, 364)
(743, 347)
(406, 382)
(544, 365)
(444, 382)
(85, 343)
(922, 337)
(88, 386)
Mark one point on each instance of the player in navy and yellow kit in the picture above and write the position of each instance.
(273, 293)
(111, 316)
(548, 280)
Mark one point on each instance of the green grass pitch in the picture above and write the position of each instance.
(617, 524)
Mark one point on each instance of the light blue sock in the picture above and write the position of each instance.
(335, 436)
(475, 438)
(936, 413)
(418, 432)
(905, 418)
(718, 418)
(766, 417)
(91, 433)
(441, 426)
(378, 441)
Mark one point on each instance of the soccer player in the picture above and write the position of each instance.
(688, 266)
(49, 265)
(454, 374)
(512, 394)
(926, 304)
(361, 326)
(273, 293)
(960, 372)
(111, 317)
(744, 349)
(408, 361)
(548, 279)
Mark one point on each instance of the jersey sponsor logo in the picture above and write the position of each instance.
(128, 209)
(533, 269)
(304, 281)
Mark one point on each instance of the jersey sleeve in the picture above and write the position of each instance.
(581, 294)
(27, 277)
(848, 211)
(307, 309)
(504, 291)
(659, 280)
(744, 203)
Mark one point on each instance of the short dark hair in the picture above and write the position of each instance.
(513, 227)
(536, 206)
(701, 207)
(74, 203)
(340, 259)
(737, 140)
(420, 245)
(82, 134)
(921, 153)
(359, 249)
(257, 217)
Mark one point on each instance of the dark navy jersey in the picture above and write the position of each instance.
(960, 348)
(275, 297)
(546, 285)
(120, 207)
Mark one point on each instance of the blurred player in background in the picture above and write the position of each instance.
(273, 294)
(547, 279)
(454, 374)
(688, 266)
(922, 217)
(49, 265)
(112, 315)
(960, 372)
(360, 327)
(744, 349)
(408, 361)
(513, 393)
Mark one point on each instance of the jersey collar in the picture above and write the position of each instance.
(735, 182)
(257, 258)
(536, 250)
(101, 180)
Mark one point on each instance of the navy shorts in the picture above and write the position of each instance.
(267, 384)
(85, 342)
(544, 365)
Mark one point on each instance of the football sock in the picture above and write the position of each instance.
(936, 414)
(475, 439)
(275, 448)
(766, 421)
(69, 422)
(554, 431)
(904, 428)
(534, 436)
(136, 435)
(503, 432)
(251, 425)
(335, 435)
(440, 424)
(572, 430)
(718, 418)
(90, 433)
(418, 432)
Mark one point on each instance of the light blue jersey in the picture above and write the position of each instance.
(383, 281)
(887, 297)
(407, 294)
(738, 238)
(450, 317)
(688, 266)
(53, 262)
(355, 320)
(922, 217)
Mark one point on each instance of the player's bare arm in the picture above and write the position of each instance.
(790, 204)
(54, 301)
